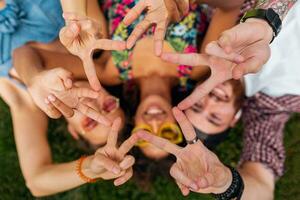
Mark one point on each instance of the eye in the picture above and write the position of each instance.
(215, 97)
(197, 107)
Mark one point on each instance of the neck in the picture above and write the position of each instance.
(155, 85)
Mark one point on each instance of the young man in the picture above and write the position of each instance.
(273, 95)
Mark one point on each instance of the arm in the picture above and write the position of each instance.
(259, 181)
(42, 176)
(75, 6)
(281, 7)
(223, 4)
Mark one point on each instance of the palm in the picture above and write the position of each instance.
(110, 157)
(196, 168)
(159, 12)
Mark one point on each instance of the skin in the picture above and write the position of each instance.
(2, 4)
(215, 112)
(207, 174)
(44, 177)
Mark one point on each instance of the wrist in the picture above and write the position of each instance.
(86, 168)
(226, 183)
(268, 30)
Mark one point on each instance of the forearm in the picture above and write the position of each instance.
(258, 180)
(75, 6)
(27, 63)
(281, 7)
(56, 178)
(223, 4)
(2, 4)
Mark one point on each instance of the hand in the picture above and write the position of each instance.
(81, 36)
(246, 44)
(111, 162)
(221, 71)
(196, 169)
(159, 12)
(65, 98)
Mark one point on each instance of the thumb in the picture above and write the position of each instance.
(66, 77)
(69, 33)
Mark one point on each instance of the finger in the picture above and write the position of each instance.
(159, 37)
(123, 179)
(66, 76)
(128, 144)
(138, 32)
(113, 134)
(201, 91)
(191, 59)
(65, 110)
(127, 162)
(93, 114)
(134, 13)
(184, 190)
(51, 111)
(187, 128)
(73, 132)
(181, 178)
(85, 93)
(101, 162)
(159, 142)
(91, 74)
(214, 49)
(69, 33)
(257, 55)
(73, 16)
(107, 44)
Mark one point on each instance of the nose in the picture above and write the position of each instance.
(208, 105)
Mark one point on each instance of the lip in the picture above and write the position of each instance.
(109, 105)
(88, 124)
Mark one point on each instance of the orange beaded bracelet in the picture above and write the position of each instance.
(81, 174)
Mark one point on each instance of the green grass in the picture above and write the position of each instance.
(12, 184)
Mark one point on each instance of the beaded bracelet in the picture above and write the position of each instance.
(81, 174)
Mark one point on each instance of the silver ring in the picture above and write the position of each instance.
(194, 141)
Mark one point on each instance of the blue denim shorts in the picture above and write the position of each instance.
(23, 21)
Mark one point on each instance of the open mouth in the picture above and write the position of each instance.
(110, 105)
(89, 124)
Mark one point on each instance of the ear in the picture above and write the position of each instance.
(236, 118)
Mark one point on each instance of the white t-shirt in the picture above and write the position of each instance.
(281, 75)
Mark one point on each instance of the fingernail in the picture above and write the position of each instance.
(69, 83)
(116, 170)
(194, 186)
(51, 98)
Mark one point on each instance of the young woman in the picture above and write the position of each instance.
(43, 176)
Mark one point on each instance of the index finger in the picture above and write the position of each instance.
(128, 144)
(201, 91)
(106, 44)
(187, 128)
(91, 74)
(93, 114)
(134, 13)
(113, 134)
(191, 59)
(159, 142)
(85, 93)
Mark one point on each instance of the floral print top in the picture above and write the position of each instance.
(182, 36)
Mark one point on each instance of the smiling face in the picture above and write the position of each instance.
(92, 131)
(216, 112)
(154, 111)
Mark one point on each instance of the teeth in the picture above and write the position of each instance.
(153, 111)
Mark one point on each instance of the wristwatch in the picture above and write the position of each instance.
(235, 190)
(269, 16)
